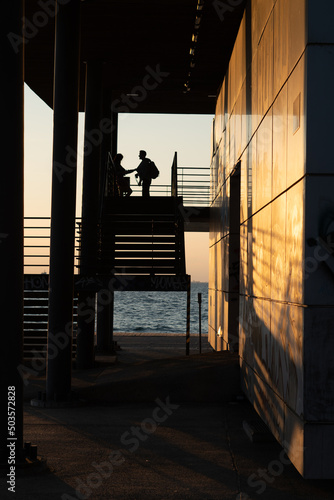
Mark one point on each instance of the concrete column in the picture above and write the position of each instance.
(11, 228)
(105, 309)
(106, 141)
(114, 135)
(188, 314)
(66, 83)
(105, 325)
(90, 210)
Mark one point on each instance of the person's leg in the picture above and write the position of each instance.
(146, 188)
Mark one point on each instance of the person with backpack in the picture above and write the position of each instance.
(146, 171)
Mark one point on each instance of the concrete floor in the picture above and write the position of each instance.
(156, 425)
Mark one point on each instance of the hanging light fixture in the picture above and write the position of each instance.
(200, 4)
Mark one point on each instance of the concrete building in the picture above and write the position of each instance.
(271, 254)
(272, 211)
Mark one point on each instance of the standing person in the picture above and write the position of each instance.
(144, 173)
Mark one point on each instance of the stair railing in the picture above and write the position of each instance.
(174, 175)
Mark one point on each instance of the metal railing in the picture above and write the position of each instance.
(155, 190)
(37, 244)
(194, 185)
(174, 175)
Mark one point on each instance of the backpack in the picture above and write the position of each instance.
(154, 172)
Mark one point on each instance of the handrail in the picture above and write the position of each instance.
(174, 175)
(37, 244)
(104, 184)
(194, 185)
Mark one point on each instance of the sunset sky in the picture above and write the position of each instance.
(159, 135)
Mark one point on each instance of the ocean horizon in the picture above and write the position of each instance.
(160, 312)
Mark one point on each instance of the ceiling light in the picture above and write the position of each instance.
(197, 22)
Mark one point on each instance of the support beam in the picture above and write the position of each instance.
(11, 228)
(90, 210)
(66, 83)
(105, 316)
(105, 324)
(106, 143)
(188, 315)
(114, 135)
(92, 167)
(105, 310)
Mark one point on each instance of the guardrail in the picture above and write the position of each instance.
(37, 244)
(194, 185)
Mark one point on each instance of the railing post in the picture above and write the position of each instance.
(200, 322)
(188, 317)
(174, 175)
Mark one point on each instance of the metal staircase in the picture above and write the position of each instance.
(140, 236)
(140, 247)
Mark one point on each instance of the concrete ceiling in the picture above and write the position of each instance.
(135, 38)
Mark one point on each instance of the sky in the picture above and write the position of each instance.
(159, 135)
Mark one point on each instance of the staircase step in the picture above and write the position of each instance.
(137, 254)
(137, 204)
(145, 239)
(144, 246)
(151, 217)
(144, 262)
(143, 228)
(142, 236)
(138, 270)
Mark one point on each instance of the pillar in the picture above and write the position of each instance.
(105, 314)
(66, 83)
(114, 135)
(91, 205)
(106, 126)
(105, 325)
(11, 228)
(188, 315)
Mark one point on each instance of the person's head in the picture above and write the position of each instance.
(142, 154)
(118, 158)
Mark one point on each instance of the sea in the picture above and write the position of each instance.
(161, 312)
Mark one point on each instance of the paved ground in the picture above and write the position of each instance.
(156, 425)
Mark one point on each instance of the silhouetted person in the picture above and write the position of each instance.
(144, 173)
(120, 172)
